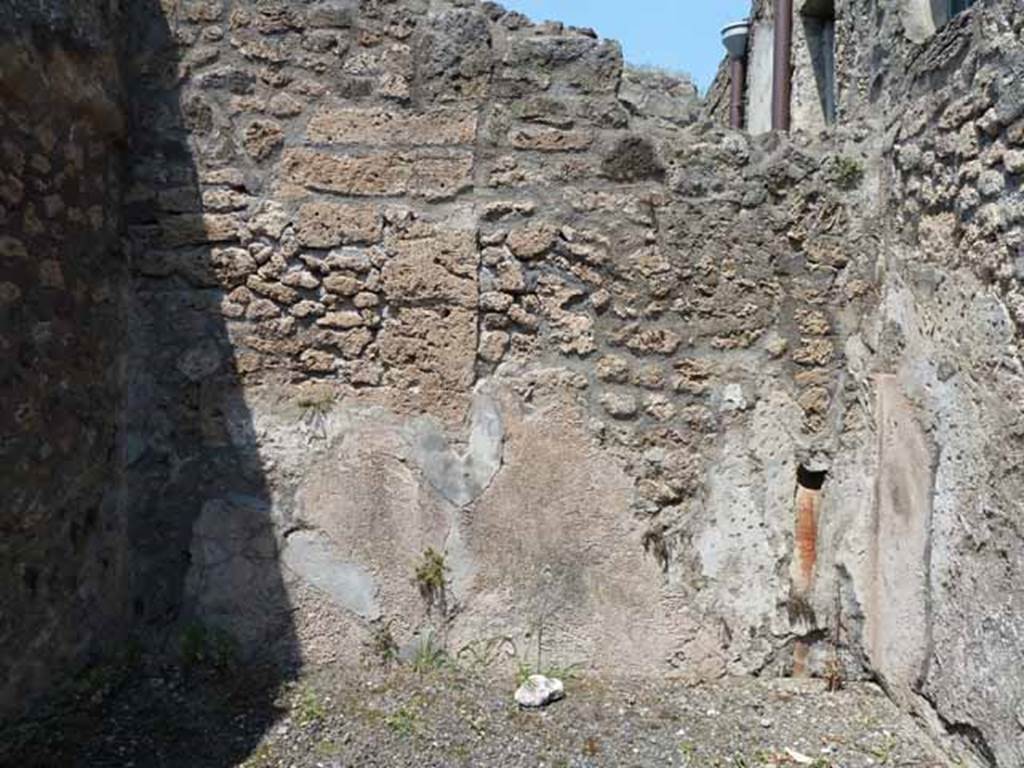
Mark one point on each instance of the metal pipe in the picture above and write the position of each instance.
(734, 38)
(738, 75)
(782, 75)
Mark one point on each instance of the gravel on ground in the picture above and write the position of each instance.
(333, 717)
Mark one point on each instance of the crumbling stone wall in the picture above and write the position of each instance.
(422, 274)
(480, 303)
(952, 313)
(466, 273)
(61, 533)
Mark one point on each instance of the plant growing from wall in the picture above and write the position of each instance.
(656, 545)
(432, 582)
(834, 677)
(316, 404)
(848, 172)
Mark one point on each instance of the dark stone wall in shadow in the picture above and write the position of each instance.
(194, 485)
(61, 534)
(135, 511)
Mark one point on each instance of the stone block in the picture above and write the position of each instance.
(382, 127)
(195, 229)
(419, 174)
(430, 349)
(551, 140)
(532, 241)
(439, 268)
(324, 224)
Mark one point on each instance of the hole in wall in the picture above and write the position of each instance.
(810, 479)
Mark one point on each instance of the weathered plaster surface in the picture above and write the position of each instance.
(376, 278)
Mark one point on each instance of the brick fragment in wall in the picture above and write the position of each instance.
(342, 285)
(380, 127)
(441, 267)
(325, 224)
(349, 344)
(426, 347)
(612, 368)
(342, 320)
(660, 341)
(532, 240)
(419, 174)
(281, 294)
(814, 352)
(633, 158)
(195, 229)
(550, 140)
(620, 405)
(332, 13)
(262, 138)
(579, 63)
(454, 55)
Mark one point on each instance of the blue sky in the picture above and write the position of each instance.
(681, 35)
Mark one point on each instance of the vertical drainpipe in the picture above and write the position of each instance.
(782, 76)
(738, 73)
(802, 568)
(734, 38)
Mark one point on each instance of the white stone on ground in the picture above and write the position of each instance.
(539, 691)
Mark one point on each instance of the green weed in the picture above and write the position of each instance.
(212, 647)
(405, 721)
(429, 655)
(479, 655)
(848, 172)
(432, 578)
(382, 645)
(309, 708)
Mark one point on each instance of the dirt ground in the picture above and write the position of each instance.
(338, 718)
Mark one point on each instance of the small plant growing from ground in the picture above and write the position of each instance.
(479, 655)
(96, 682)
(309, 708)
(523, 671)
(382, 646)
(688, 750)
(563, 672)
(211, 647)
(884, 752)
(429, 655)
(404, 721)
(834, 677)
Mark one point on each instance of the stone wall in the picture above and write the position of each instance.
(61, 533)
(482, 304)
(484, 295)
(953, 311)
(422, 275)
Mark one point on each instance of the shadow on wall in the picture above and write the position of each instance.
(200, 535)
(193, 507)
